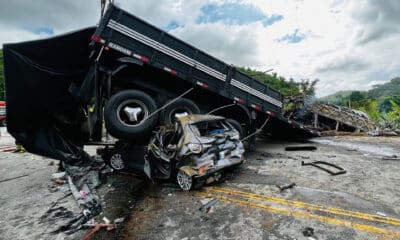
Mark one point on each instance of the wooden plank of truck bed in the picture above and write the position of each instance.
(134, 37)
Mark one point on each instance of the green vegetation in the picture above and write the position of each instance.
(381, 102)
(287, 87)
(394, 115)
(337, 97)
(1, 76)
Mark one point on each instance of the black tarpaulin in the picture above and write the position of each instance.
(42, 114)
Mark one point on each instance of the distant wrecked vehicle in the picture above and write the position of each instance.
(194, 151)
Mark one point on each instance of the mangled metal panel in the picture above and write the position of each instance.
(42, 113)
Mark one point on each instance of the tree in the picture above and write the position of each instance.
(371, 107)
(287, 88)
(307, 87)
(394, 115)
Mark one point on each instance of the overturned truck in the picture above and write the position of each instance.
(129, 75)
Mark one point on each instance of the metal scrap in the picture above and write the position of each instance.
(318, 163)
(199, 147)
(301, 148)
(207, 207)
(394, 157)
(284, 187)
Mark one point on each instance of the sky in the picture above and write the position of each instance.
(346, 44)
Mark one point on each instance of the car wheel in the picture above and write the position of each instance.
(126, 115)
(237, 126)
(115, 160)
(180, 106)
(184, 181)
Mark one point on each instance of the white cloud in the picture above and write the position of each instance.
(347, 44)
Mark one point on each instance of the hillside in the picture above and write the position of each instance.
(379, 92)
(381, 102)
(388, 89)
(337, 97)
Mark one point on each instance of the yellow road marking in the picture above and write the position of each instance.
(315, 207)
(296, 213)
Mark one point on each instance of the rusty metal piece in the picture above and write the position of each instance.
(317, 163)
(96, 228)
(284, 187)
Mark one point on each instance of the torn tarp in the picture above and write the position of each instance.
(42, 114)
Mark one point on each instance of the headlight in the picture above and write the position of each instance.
(194, 147)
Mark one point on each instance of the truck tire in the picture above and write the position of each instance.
(182, 105)
(237, 126)
(248, 145)
(126, 113)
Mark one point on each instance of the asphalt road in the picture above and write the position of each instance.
(364, 203)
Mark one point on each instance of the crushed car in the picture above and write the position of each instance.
(194, 151)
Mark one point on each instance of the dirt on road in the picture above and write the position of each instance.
(363, 203)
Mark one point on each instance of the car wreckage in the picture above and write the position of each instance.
(193, 151)
(132, 78)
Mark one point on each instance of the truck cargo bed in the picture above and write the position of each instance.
(125, 33)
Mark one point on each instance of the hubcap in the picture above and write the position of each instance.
(131, 113)
(116, 162)
(184, 180)
(178, 113)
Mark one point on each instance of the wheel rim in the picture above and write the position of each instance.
(117, 162)
(184, 180)
(178, 112)
(132, 113)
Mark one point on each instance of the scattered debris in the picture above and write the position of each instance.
(96, 227)
(7, 148)
(9, 179)
(308, 232)
(301, 148)
(343, 133)
(394, 157)
(317, 163)
(267, 154)
(351, 150)
(334, 117)
(381, 214)
(385, 133)
(207, 207)
(284, 187)
(58, 175)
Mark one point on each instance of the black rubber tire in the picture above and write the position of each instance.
(108, 155)
(113, 120)
(237, 126)
(248, 146)
(182, 104)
